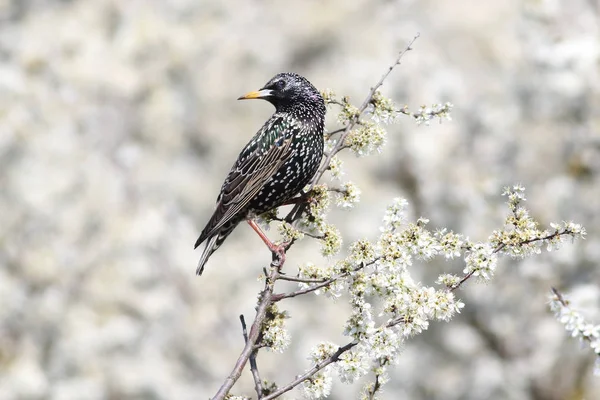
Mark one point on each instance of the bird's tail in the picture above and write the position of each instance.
(211, 246)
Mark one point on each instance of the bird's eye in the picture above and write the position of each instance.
(279, 85)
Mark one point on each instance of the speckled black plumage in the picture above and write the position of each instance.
(276, 164)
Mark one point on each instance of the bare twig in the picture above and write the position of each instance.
(463, 280)
(312, 235)
(335, 131)
(560, 297)
(280, 296)
(316, 368)
(253, 365)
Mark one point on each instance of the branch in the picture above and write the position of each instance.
(295, 213)
(361, 109)
(253, 365)
(376, 388)
(575, 324)
(503, 245)
(280, 296)
(319, 283)
(316, 368)
(339, 130)
(249, 348)
(300, 280)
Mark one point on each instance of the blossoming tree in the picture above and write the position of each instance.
(388, 306)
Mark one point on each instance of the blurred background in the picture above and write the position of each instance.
(118, 123)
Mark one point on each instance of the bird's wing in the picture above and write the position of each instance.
(247, 177)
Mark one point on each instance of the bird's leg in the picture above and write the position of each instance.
(279, 250)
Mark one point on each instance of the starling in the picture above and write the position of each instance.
(279, 161)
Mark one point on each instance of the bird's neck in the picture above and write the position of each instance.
(306, 112)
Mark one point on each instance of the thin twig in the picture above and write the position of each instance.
(298, 279)
(280, 296)
(335, 131)
(376, 388)
(312, 235)
(253, 365)
(560, 297)
(316, 368)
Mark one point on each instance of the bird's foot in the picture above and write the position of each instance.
(278, 251)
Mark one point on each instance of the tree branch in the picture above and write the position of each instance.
(280, 296)
(295, 213)
(253, 365)
(316, 368)
(255, 330)
(361, 109)
(376, 388)
(300, 280)
(319, 283)
(502, 246)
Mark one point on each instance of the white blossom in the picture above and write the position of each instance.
(331, 241)
(384, 342)
(322, 352)
(360, 324)
(448, 280)
(577, 326)
(450, 243)
(481, 261)
(426, 114)
(366, 138)
(348, 195)
(289, 233)
(394, 215)
(318, 386)
(352, 365)
(382, 109)
(335, 168)
(275, 336)
(361, 251)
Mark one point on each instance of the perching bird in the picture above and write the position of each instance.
(279, 161)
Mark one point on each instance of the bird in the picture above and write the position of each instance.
(275, 165)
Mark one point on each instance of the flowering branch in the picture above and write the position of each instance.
(355, 117)
(311, 372)
(387, 306)
(548, 238)
(519, 238)
(576, 325)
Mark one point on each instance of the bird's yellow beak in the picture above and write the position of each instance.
(259, 94)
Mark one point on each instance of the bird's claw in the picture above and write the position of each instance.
(278, 251)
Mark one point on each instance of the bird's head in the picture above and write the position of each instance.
(287, 89)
